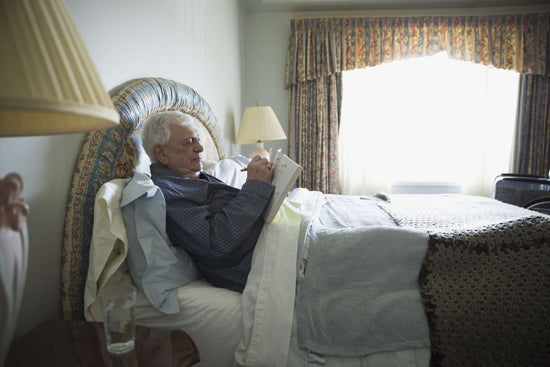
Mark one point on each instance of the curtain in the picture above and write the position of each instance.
(533, 135)
(322, 47)
(314, 124)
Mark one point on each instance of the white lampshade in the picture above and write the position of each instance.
(48, 84)
(259, 124)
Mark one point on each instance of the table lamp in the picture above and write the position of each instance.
(259, 124)
(48, 86)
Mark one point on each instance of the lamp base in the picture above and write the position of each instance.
(259, 150)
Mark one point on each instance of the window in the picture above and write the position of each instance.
(426, 120)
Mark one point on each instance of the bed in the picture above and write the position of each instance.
(413, 281)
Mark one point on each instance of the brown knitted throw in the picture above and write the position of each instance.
(485, 280)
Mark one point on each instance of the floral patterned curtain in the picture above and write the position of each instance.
(533, 136)
(316, 117)
(322, 47)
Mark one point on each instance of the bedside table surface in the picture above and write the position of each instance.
(80, 343)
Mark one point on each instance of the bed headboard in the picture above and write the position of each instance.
(110, 153)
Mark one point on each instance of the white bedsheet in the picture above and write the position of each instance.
(256, 328)
(269, 330)
(268, 298)
(210, 316)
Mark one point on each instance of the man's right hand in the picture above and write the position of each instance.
(259, 169)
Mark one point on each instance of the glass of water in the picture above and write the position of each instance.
(118, 318)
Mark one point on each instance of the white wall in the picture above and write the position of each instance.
(196, 42)
(266, 48)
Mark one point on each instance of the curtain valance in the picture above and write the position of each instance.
(324, 46)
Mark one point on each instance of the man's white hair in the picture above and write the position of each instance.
(156, 129)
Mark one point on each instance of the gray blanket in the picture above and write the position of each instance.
(359, 294)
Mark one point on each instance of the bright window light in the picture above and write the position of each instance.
(426, 120)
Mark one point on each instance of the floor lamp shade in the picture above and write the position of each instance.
(48, 84)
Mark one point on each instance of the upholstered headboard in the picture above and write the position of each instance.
(111, 153)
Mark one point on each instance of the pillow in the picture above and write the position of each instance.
(228, 170)
(108, 247)
(157, 267)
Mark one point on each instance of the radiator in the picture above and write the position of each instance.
(425, 188)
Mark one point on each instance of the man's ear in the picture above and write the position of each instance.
(160, 154)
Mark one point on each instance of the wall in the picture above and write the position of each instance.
(196, 42)
(266, 47)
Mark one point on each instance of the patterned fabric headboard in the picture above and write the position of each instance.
(115, 152)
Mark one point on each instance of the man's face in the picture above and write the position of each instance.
(183, 151)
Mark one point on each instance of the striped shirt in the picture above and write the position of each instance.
(216, 224)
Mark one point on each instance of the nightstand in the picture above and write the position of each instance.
(80, 343)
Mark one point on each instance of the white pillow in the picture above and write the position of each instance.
(228, 170)
(108, 247)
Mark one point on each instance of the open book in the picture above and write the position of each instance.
(285, 172)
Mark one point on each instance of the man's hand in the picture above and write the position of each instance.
(259, 169)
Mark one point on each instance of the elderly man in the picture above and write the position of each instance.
(216, 224)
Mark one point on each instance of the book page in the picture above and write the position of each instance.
(285, 173)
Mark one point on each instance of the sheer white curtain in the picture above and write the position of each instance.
(429, 120)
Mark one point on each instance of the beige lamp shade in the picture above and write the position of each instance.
(48, 84)
(259, 124)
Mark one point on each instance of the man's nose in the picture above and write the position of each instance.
(198, 146)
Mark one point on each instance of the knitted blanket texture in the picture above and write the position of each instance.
(485, 280)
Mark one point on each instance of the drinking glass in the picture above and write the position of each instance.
(118, 318)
